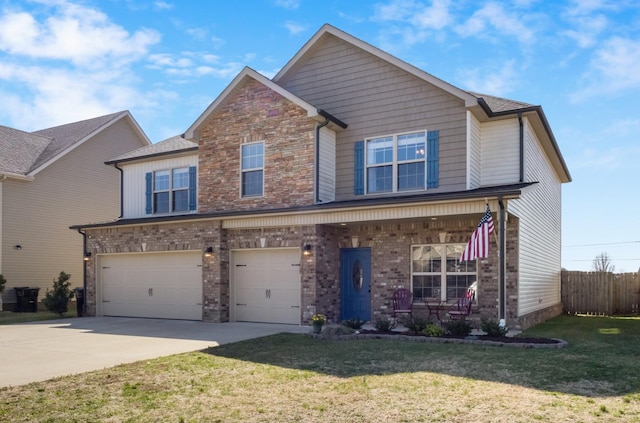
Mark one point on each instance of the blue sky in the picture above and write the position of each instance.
(165, 61)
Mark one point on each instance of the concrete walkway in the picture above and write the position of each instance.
(39, 351)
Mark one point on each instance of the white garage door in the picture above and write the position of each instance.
(159, 285)
(266, 286)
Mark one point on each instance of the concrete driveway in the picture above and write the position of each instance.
(39, 351)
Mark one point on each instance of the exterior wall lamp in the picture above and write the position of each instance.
(87, 256)
(208, 252)
(306, 250)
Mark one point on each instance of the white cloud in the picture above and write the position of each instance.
(295, 28)
(288, 4)
(193, 64)
(613, 69)
(197, 33)
(493, 17)
(79, 34)
(588, 28)
(162, 5)
(492, 81)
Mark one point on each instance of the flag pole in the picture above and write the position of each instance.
(495, 237)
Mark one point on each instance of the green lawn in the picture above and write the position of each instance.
(296, 378)
(8, 317)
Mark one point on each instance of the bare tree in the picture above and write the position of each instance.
(602, 263)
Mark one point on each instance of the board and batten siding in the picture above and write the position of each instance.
(539, 211)
(376, 98)
(133, 198)
(327, 164)
(474, 156)
(500, 159)
(78, 188)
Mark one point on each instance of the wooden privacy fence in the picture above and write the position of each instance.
(600, 293)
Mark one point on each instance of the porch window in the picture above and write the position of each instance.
(252, 169)
(396, 163)
(438, 275)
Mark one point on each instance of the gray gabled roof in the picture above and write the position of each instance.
(175, 144)
(499, 104)
(19, 150)
(64, 136)
(23, 154)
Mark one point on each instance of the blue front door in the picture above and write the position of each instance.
(355, 283)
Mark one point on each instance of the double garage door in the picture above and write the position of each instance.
(265, 285)
(158, 285)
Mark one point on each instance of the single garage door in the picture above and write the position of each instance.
(266, 285)
(158, 285)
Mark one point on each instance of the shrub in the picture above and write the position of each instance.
(2, 282)
(458, 327)
(433, 330)
(57, 300)
(383, 325)
(354, 323)
(493, 328)
(416, 324)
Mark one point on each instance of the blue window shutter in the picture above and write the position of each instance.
(192, 187)
(432, 159)
(358, 168)
(149, 192)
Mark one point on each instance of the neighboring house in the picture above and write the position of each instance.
(50, 179)
(348, 175)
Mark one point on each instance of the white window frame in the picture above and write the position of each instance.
(171, 190)
(252, 169)
(395, 163)
(443, 271)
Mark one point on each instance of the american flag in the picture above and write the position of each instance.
(478, 245)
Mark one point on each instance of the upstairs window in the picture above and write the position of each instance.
(171, 190)
(252, 180)
(396, 163)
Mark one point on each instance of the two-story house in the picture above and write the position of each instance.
(50, 179)
(348, 175)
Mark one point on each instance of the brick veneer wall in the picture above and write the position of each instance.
(256, 113)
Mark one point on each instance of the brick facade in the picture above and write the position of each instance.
(390, 245)
(256, 113)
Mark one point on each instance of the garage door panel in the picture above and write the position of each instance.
(158, 285)
(266, 285)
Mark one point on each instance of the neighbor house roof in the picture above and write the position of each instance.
(23, 154)
(173, 145)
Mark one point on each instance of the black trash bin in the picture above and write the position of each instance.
(26, 299)
(79, 300)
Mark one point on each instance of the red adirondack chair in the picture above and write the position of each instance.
(403, 302)
(462, 307)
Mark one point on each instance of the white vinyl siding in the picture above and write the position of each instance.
(78, 188)
(327, 165)
(474, 156)
(539, 211)
(134, 185)
(375, 97)
(500, 152)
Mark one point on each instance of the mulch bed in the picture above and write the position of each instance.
(523, 342)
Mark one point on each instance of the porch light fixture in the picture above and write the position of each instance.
(443, 237)
(17, 247)
(354, 241)
(87, 256)
(307, 250)
(208, 252)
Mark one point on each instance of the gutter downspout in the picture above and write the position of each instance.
(84, 272)
(121, 189)
(521, 146)
(318, 128)
(501, 266)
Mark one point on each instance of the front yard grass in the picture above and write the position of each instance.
(295, 378)
(9, 317)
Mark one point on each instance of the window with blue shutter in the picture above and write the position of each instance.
(192, 187)
(358, 168)
(148, 193)
(432, 159)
